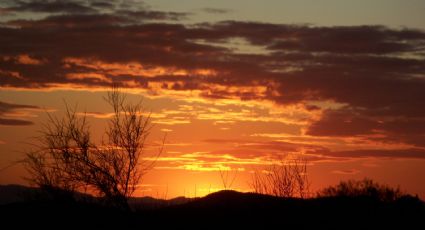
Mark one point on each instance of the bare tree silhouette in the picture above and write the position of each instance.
(68, 160)
(287, 178)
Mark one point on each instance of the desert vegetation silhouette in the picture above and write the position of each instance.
(67, 160)
(363, 188)
(286, 178)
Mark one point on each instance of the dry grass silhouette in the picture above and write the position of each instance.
(67, 159)
(228, 177)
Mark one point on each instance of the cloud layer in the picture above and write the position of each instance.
(11, 114)
(367, 81)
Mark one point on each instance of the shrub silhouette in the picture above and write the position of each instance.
(67, 159)
(363, 188)
(287, 178)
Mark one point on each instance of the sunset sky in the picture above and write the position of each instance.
(234, 84)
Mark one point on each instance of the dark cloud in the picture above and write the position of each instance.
(6, 108)
(351, 40)
(375, 72)
(51, 6)
(129, 13)
(215, 10)
(71, 21)
(14, 122)
(102, 4)
(402, 153)
(153, 15)
(342, 123)
(349, 122)
(346, 172)
(337, 40)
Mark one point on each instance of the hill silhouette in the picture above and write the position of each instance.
(224, 209)
(13, 193)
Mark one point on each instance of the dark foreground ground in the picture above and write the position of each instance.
(225, 209)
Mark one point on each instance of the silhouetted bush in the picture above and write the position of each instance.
(68, 161)
(362, 188)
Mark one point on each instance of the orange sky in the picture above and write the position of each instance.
(231, 96)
